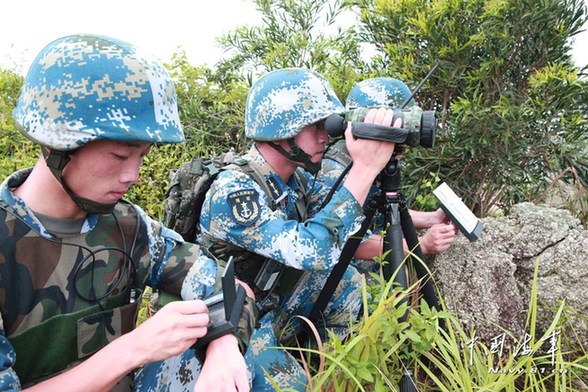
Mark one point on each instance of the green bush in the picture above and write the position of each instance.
(16, 151)
(512, 108)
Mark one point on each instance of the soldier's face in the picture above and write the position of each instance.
(103, 171)
(312, 139)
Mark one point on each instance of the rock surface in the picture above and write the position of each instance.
(487, 283)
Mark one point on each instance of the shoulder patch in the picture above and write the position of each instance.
(244, 206)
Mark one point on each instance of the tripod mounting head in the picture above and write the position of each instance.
(390, 176)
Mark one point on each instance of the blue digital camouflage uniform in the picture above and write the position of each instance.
(63, 297)
(313, 245)
(333, 165)
(240, 219)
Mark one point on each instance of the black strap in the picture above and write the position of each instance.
(339, 269)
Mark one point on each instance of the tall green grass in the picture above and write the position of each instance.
(443, 356)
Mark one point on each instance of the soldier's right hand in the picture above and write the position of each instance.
(371, 155)
(172, 330)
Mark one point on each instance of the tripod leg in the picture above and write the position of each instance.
(394, 246)
(417, 259)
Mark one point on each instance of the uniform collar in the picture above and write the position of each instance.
(22, 210)
(278, 188)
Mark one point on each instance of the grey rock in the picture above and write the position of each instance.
(487, 283)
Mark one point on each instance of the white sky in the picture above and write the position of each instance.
(158, 27)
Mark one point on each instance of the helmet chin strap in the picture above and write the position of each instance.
(296, 154)
(56, 161)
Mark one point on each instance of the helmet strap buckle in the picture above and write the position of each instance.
(297, 154)
(55, 159)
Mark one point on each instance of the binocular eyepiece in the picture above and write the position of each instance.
(418, 126)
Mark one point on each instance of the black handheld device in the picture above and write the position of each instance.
(224, 308)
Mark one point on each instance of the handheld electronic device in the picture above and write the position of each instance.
(224, 308)
(458, 212)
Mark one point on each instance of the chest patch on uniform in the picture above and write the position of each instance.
(244, 206)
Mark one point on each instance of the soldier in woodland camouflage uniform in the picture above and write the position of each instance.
(285, 114)
(391, 93)
(75, 256)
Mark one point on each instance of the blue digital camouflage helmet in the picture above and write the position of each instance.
(382, 91)
(282, 102)
(83, 88)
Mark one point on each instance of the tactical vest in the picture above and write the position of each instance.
(66, 298)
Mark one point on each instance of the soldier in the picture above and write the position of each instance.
(282, 253)
(390, 93)
(75, 256)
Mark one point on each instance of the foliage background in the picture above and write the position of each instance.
(511, 104)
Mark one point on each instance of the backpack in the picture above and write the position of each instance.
(183, 205)
(190, 182)
(188, 185)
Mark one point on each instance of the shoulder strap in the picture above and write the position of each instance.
(302, 202)
(337, 151)
(251, 169)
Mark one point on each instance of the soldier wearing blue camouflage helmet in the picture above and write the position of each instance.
(75, 256)
(390, 93)
(284, 255)
(380, 91)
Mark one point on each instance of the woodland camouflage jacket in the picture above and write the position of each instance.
(64, 298)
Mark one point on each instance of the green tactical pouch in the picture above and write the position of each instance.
(65, 340)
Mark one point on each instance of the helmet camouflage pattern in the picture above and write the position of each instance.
(382, 91)
(82, 88)
(282, 102)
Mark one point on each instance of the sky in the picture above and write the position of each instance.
(156, 26)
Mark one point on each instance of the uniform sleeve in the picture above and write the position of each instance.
(182, 270)
(171, 259)
(236, 210)
(204, 279)
(8, 379)
(324, 182)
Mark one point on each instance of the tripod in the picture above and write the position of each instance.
(398, 223)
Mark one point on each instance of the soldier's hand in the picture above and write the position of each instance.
(438, 238)
(224, 367)
(172, 330)
(371, 155)
(440, 216)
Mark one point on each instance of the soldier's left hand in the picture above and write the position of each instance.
(224, 367)
(438, 238)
